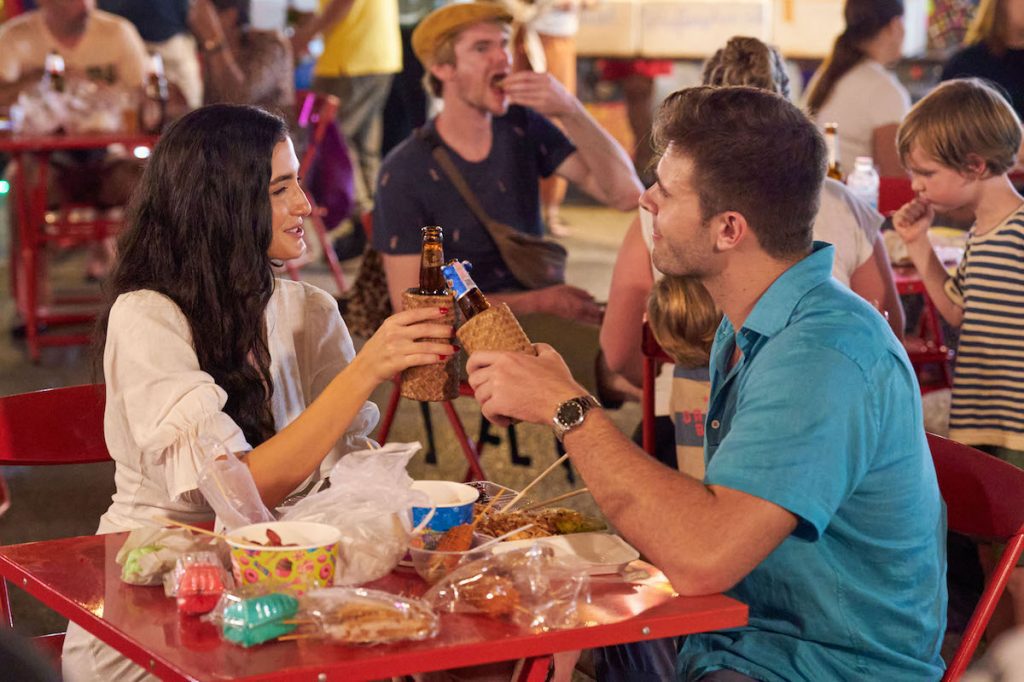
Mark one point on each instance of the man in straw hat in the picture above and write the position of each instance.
(819, 508)
(494, 126)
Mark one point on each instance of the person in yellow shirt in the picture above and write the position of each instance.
(362, 53)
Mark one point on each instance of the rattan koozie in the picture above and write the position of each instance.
(432, 383)
(494, 329)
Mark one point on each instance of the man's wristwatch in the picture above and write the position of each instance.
(571, 414)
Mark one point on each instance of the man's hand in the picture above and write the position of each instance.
(569, 302)
(540, 92)
(912, 221)
(520, 386)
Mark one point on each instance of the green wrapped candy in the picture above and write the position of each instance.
(131, 572)
(249, 622)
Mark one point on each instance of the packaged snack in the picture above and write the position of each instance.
(197, 582)
(360, 616)
(529, 586)
(255, 620)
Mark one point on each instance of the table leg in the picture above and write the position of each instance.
(532, 669)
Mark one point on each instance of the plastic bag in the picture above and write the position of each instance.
(148, 553)
(530, 587)
(197, 581)
(369, 500)
(249, 619)
(229, 488)
(358, 616)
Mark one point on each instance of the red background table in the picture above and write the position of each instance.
(28, 238)
(79, 578)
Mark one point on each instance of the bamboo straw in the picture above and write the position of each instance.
(559, 498)
(515, 500)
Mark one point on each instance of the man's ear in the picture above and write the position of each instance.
(731, 229)
(442, 72)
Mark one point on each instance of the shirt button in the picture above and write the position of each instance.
(715, 423)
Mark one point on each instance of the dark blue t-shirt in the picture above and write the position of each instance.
(155, 21)
(413, 191)
(1007, 71)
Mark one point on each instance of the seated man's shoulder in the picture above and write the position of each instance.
(22, 27)
(832, 319)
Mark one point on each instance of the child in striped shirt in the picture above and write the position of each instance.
(958, 144)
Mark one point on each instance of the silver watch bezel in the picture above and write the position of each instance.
(585, 403)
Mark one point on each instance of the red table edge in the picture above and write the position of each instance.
(525, 646)
(46, 144)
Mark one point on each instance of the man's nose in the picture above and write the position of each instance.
(646, 202)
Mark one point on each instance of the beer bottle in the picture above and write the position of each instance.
(53, 78)
(431, 260)
(832, 144)
(468, 296)
(155, 95)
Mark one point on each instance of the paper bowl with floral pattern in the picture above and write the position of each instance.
(296, 556)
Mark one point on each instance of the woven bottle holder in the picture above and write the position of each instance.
(494, 329)
(431, 383)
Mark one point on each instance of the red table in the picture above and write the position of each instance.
(29, 239)
(79, 578)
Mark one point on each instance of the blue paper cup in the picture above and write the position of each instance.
(452, 504)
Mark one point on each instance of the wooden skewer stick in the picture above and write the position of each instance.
(296, 635)
(515, 500)
(188, 526)
(484, 511)
(559, 498)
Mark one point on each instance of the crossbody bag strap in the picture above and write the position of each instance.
(443, 159)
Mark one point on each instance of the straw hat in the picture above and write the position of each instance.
(451, 18)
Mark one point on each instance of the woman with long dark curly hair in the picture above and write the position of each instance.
(201, 341)
(854, 88)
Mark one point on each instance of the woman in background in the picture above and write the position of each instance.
(855, 89)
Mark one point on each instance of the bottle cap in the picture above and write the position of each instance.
(864, 161)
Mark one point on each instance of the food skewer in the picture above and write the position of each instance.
(559, 498)
(195, 529)
(517, 498)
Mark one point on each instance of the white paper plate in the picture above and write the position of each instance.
(599, 552)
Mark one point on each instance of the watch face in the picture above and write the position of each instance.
(570, 413)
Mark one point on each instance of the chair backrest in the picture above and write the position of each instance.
(983, 499)
(652, 354)
(316, 111)
(53, 426)
(893, 192)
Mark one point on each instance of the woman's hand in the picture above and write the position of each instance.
(912, 221)
(395, 346)
(205, 22)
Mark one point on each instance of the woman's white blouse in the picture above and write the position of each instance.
(161, 405)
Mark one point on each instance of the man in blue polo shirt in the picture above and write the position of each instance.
(820, 508)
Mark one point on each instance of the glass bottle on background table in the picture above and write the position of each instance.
(432, 282)
(864, 181)
(155, 95)
(53, 76)
(835, 171)
(468, 297)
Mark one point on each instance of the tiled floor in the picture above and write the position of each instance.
(65, 501)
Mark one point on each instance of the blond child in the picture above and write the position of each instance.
(958, 143)
(683, 319)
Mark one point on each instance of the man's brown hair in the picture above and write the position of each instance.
(753, 152)
(445, 54)
(959, 119)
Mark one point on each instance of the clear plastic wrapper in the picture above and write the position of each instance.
(229, 488)
(369, 501)
(248, 619)
(530, 587)
(360, 616)
(84, 106)
(149, 553)
(197, 582)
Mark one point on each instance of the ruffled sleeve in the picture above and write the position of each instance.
(331, 350)
(168, 403)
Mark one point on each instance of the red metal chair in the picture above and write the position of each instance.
(893, 192)
(50, 427)
(983, 499)
(316, 113)
(653, 354)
